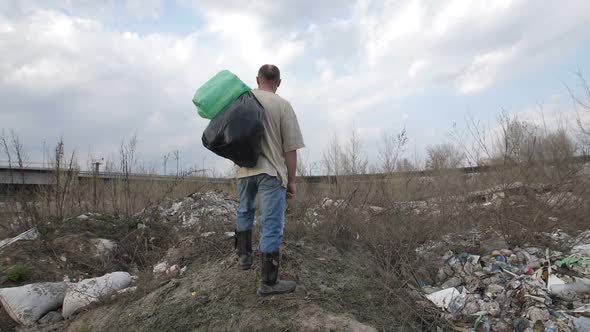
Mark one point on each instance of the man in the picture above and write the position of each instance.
(274, 179)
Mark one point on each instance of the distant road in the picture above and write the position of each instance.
(34, 174)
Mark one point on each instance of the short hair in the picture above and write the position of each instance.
(269, 73)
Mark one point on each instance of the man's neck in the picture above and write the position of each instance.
(267, 88)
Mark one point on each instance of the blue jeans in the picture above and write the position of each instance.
(273, 201)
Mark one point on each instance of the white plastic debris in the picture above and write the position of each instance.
(31, 234)
(83, 217)
(230, 234)
(554, 280)
(580, 286)
(375, 209)
(174, 209)
(160, 267)
(103, 246)
(207, 234)
(585, 309)
(450, 299)
(581, 249)
(88, 291)
(26, 304)
(327, 203)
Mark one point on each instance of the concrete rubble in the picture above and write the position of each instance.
(515, 289)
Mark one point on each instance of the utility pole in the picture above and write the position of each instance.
(60, 154)
(43, 152)
(166, 156)
(177, 158)
(96, 164)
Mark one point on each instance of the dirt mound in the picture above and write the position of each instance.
(216, 294)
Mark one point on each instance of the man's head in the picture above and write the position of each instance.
(269, 78)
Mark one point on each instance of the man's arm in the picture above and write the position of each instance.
(291, 159)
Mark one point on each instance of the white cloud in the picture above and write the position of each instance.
(416, 67)
(68, 70)
(150, 9)
(484, 70)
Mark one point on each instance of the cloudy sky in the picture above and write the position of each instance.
(98, 72)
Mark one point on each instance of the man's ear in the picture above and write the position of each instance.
(279, 83)
(257, 81)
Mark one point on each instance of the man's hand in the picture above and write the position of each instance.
(291, 190)
(291, 159)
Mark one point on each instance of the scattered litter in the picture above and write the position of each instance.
(83, 217)
(104, 247)
(571, 290)
(31, 234)
(571, 261)
(581, 249)
(450, 299)
(172, 270)
(160, 267)
(536, 289)
(196, 210)
(88, 216)
(554, 280)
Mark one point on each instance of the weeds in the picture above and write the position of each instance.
(18, 273)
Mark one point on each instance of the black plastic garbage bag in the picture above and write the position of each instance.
(236, 133)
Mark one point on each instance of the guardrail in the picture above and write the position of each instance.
(309, 179)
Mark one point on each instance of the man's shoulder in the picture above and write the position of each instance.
(265, 96)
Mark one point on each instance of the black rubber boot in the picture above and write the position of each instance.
(244, 248)
(269, 281)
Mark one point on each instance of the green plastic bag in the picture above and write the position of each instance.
(218, 92)
(567, 262)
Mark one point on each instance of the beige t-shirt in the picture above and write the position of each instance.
(281, 135)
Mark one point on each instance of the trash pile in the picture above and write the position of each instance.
(196, 210)
(516, 289)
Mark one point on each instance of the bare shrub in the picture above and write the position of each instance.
(332, 158)
(392, 147)
(344, 162)
(443, 156)
(354, 159)
(581, 98)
